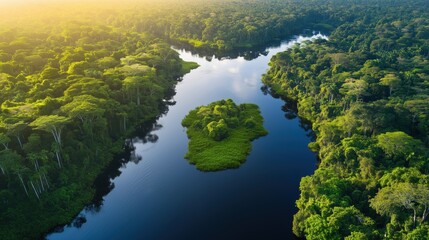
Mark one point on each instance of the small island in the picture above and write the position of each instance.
(221, 134)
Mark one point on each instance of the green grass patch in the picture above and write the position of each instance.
(221, 134)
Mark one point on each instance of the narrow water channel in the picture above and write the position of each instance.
(163, 197)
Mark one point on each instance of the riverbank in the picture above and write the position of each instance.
(62, 128)
(361, 105)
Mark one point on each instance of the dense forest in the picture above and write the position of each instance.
(70, 93)
(77, 79)
(366, 93)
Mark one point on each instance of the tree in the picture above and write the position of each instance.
(390, 80)
(10, 162)
(218, 130)
(403, 174)
(134, 83)
(4, 140)
(345, 220)
(49, 73)
(106, 62)
(399, 145)
(419, 109)
(135, 69)
(390, 200)
(16, 129)
(86, 85)
(421, 232)
(357, 236)
(54, 125)
(86, 108)
(317, 228)
(355, 87)
(348, 122)
(77, 68)
(329, 91)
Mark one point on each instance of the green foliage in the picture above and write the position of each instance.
(399, 144)
(365, 91)
(421, 232)
(73, 85)
(392, 200)
(222, 140)
(218, 130)
(188, 66)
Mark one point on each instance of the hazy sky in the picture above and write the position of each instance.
(42, 2)
(21, 2)
(15, 2)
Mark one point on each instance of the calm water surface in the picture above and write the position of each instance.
(164, 197)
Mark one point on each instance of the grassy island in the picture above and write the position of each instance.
(221, 134)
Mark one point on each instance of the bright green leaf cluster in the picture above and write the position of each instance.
(221, 133)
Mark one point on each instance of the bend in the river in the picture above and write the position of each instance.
(163, 197)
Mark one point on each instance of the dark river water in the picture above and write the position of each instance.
(163, 197)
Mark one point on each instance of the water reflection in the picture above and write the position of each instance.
(79, 221)
(163, 191)
(245, 53)
(134, 157)
(209, 55)
(290, 110)
(104, 183)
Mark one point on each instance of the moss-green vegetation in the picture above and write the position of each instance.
(70, 92)
(366, 90)
(221, 134)
(188, 66)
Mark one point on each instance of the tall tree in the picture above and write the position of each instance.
(16, 129)
(390, 80)
(390, 200)
(53, 124)
(4, 140)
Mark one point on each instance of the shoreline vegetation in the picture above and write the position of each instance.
(221, 134)
(72, 91)
(366, 94)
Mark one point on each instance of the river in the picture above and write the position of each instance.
(163, 197)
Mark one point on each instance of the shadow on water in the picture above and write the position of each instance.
(209, 55)
(290, 108)
(104, 184)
